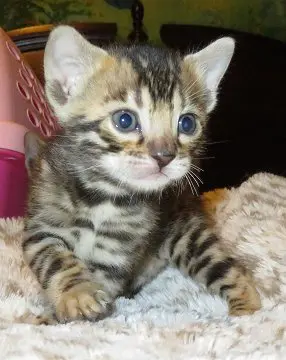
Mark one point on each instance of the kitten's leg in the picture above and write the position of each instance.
(66, 280)
(196, 251)
(147, 271)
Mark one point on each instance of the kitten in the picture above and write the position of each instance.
(109, 202)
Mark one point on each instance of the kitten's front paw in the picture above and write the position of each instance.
(43, 319)
(83, 301)
(245, 302)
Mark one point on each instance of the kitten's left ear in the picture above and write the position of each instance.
(213, 62)
(69, 61)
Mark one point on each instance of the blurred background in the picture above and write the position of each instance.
(265, 17)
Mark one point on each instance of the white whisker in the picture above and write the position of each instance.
(189, 180)
(196, 167)
(195, 180)
(93, 167)
(204, 158)
(195, 176)
(195, 95)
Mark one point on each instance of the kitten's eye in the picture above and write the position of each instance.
(187, 124)
(125, 121)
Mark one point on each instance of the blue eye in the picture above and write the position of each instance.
(187, 124)
(125, 121)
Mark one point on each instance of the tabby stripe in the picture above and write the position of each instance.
(195, 235)
(237, 308)
(173, 243)
(111, 180)
(189, 251)
(219, 270)
(236, 302)
(54, 267)
(200, 265)
(125, 200)
(76, 234)
(42, 235)
(89, 197)
(68, 266)
(114, 272)
(114, 148)
(41, 253)
(119, 235)
(51, 222)
(101, 247)
(191, 247)
(177, 261)
(133, 225)
(73, 282)
(84, 223)
(89, 147)
(112, 145)
(66, 279)
(85, 127)
(209, 242)
(37, 269)
(225, 288)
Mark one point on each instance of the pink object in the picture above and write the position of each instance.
(13, 183)
(23, 108)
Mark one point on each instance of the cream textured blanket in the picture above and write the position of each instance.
(172, 318)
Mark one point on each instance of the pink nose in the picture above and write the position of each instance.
(163, 150)
(163, 158)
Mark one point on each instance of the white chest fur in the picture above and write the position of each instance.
(114, 220)
(99, 215)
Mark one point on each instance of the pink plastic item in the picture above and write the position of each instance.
(13, 183)
(23, 108)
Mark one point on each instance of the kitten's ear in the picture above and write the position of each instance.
(32, 146)
(68, 61)
(213, 62)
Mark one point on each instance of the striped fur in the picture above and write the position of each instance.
(104, 217)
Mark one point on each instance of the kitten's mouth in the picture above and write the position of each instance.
(154, 176)
(147, 177)
(149, 174)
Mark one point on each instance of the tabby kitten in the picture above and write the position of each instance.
(109, 204)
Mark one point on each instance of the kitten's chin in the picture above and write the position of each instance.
(148, 182)
(151, 182)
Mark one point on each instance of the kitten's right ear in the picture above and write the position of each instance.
(69, 60)
(32, 145)
(213, 62)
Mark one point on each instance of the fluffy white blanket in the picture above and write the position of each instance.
(172, 318)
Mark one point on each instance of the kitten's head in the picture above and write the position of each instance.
(143, 110)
